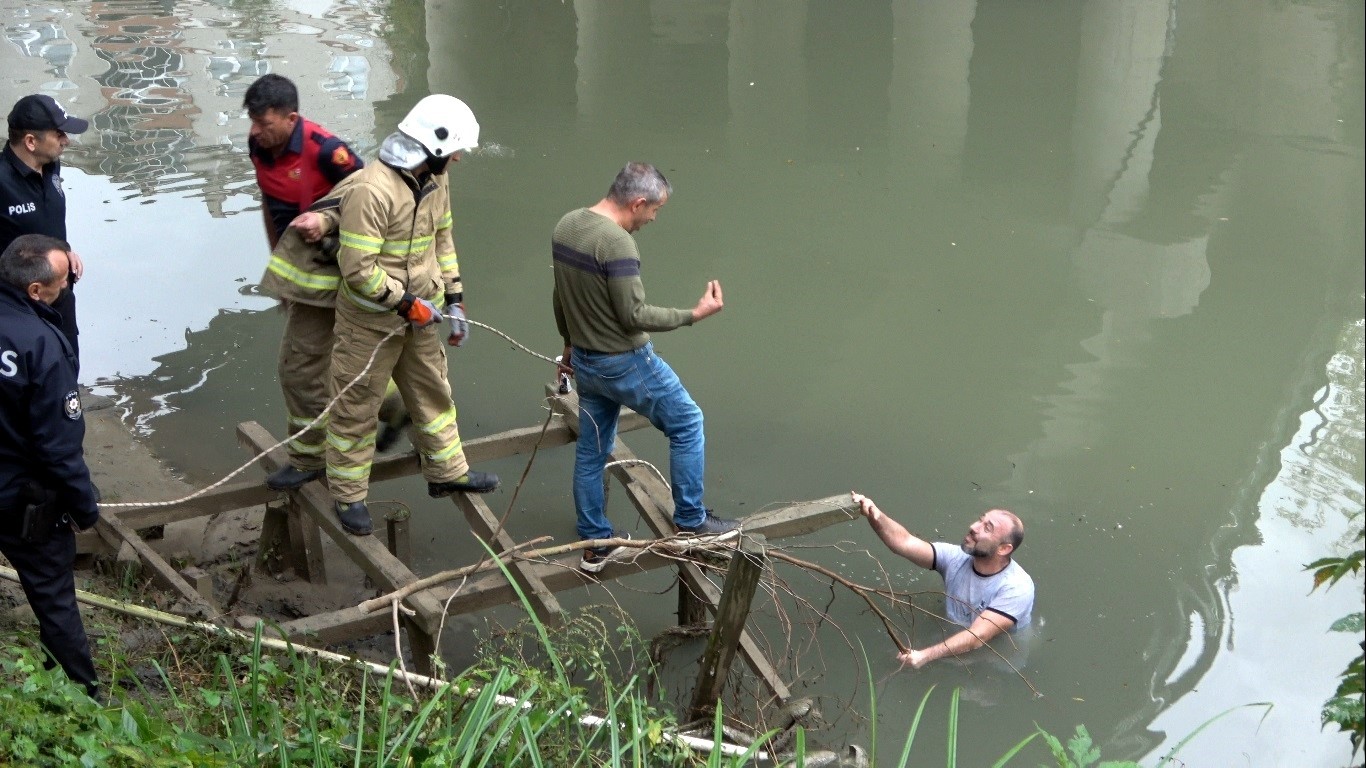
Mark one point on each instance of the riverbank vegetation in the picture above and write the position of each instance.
(183, 697)
(1346, 708)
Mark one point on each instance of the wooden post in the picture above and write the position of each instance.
(423, 646)
(200, 579)
(305, 544)
(270, 552)
(742, 579)
(400, 543)
(692, 608)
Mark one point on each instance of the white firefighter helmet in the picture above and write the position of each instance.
(442, 124)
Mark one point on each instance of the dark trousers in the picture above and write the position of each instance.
(46, 574)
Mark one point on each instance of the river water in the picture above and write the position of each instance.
(1097, 262)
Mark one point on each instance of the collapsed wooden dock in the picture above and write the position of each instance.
(294, 522)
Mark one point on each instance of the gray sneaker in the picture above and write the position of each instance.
(711, 525)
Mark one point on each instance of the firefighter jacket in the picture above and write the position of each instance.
(305, 272)
(395, 239)
(42, 425)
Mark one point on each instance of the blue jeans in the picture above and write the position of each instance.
(643, 382)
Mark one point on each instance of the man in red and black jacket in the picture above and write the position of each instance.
(297, 163)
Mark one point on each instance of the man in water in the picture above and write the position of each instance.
(986, 591)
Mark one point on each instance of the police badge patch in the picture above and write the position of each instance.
(71, 404)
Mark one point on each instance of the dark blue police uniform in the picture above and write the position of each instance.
(41, 432)
(33, 203)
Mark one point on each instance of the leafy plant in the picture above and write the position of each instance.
(1346, 708)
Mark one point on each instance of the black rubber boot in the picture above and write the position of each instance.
(471, 482)
(354, 517)
(287, 478)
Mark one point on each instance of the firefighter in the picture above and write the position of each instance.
(399, 276)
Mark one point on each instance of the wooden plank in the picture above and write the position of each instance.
(115, 532)
(485, 526)
(743, 575)
(238, 494)
(501, 445)
(368, 552)
(652, 498)
(397, 537)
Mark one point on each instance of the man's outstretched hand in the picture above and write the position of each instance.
(710, 303)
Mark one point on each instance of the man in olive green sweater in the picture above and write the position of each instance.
(602, 316)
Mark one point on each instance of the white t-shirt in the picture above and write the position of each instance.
(1009, 593)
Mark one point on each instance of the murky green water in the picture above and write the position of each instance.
(1100, 263)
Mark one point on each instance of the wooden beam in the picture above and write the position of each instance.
(513, 442)
(485, 526)
(116, 532)
(368, 552)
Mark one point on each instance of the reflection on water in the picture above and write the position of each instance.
(1085, 260)
(162, 85)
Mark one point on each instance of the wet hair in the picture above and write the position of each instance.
(25, 261)
(271, 92)
(639, 180)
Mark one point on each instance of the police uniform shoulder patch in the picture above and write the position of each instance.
(71, 405)
(341, 158)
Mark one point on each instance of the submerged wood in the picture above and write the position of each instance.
(742, 580)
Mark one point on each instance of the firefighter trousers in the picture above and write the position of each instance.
(416, 360)
(304, 363)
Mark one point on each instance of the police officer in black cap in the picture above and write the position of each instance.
(45, 490)
(31, 196)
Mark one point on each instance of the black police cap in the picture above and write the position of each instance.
(40, 112)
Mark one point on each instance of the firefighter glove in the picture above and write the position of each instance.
(420, 312)
(460, 327)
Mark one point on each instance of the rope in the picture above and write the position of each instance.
(322, 415)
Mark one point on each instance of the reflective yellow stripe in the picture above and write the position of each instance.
(445, 221)
(446, 453)
(368, 306)
(287, 271)
(439, 423)
(344, 445)
(449, 262)
(359, 242)
(303, 421)
(307, 449)
(372, 285)
(342, 473)
(405, 247)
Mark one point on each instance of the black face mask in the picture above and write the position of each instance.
(437, 165)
